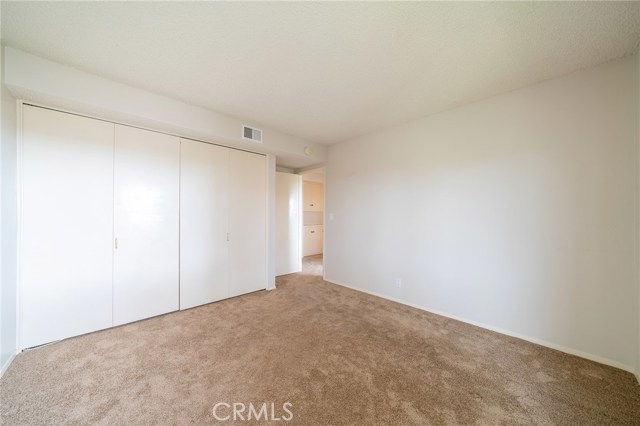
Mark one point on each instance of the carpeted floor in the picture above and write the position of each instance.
(340, 357)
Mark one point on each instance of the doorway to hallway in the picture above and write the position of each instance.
(313, 218)
(299, 224)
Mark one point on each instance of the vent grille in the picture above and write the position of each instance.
(252, 134)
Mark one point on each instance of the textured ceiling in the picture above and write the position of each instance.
(325, 71)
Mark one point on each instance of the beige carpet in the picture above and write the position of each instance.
(338, 356)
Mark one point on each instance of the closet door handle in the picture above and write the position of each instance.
(116, 243)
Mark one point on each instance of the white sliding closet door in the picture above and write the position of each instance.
(146, 224)
(204, 216)
(247, 222)
(67, 225)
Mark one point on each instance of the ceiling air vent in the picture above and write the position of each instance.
(251, 134)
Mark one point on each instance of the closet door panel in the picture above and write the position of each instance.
(146, 224)
(204, 223)
(67, 225)
(247, 222)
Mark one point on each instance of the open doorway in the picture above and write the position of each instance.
(313, 221)
(299, 212)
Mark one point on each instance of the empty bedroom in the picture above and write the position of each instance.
(320, 213)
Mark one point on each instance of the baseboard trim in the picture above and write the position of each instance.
(535, 340)
(6, 365)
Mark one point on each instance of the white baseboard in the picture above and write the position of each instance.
(535, 340)
(7, 364)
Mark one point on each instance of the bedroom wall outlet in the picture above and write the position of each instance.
(398, 282)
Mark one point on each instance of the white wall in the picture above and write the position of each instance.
(516, 212)
(638, 207)
(2, 361)
(8, 228)
(35, 79)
